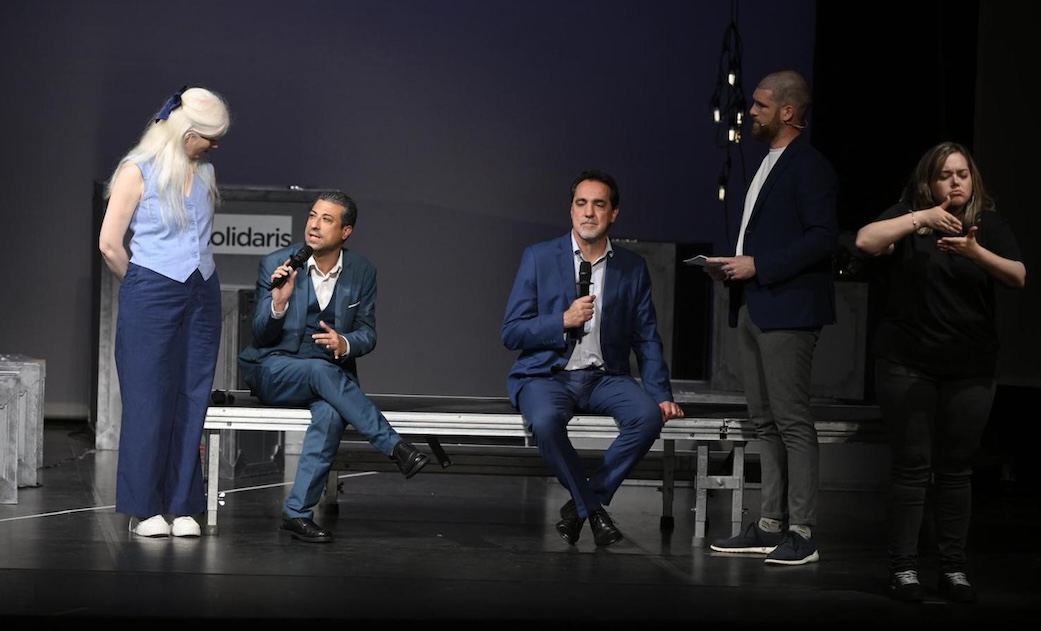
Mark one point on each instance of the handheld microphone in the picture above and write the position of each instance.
(295, 262)
(585, 278)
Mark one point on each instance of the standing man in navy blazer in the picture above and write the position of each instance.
(309, 328)
(579, 306)
(782, 294)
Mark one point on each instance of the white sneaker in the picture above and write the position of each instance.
(185, 526)
(154, 526)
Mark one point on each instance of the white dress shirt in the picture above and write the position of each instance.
(587, 352)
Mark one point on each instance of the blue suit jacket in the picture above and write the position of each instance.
(792, 234)
(355, 312)
(543, 290)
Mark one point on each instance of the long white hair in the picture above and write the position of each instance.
(197, 110)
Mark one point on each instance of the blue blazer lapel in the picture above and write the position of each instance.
(787, 157)
(301, 296)
(566, 268)
(343, 296)
(613, 281)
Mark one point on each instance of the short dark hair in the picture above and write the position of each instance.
(596, 176)
(350, 209)
(789, 88)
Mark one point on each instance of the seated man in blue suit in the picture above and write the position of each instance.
(579, 306)
(307, 337)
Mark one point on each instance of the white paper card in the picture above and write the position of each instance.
(701, 261)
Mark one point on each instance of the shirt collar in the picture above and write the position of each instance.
(312, 267)
(609, 251)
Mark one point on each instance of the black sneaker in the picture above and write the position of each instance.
(955, 586)
(753, 540)
(905, 586)
(794, 549)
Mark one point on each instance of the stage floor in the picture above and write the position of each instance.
(467, 550)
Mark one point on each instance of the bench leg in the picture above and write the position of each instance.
(439, 452)
(332, 491)
(734, 482)
(668, 485)
(737, 493)
(701, 496)
(212, 481)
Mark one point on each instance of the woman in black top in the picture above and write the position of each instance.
(936, 353)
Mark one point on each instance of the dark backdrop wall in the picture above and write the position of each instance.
(1006, 145)
(458, 125)
(910, 75)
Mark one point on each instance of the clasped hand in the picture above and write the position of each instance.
(670, 409)
(580, 312)
(730, 267)
(280, 295)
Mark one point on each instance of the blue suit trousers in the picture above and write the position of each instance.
(335, 400)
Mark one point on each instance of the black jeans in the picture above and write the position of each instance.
(934, 425)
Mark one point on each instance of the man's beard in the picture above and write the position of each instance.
(763, 132)
(588, 232)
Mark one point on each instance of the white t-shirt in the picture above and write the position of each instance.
(767, 165)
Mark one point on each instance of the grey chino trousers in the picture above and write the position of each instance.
(776, 369)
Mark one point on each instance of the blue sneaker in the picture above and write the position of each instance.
(794, 549)
(753, 540)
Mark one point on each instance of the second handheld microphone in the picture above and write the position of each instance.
(585, 278)
(295, 262)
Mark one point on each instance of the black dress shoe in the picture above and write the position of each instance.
(570, 525)
(304, 529)
(409, 459)
(604, 531)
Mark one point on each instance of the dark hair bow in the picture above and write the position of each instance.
(171, 104)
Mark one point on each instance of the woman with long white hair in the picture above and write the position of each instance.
(163, 193)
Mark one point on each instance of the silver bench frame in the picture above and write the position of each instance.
(699, 432)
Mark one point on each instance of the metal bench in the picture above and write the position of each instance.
(486, 435)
